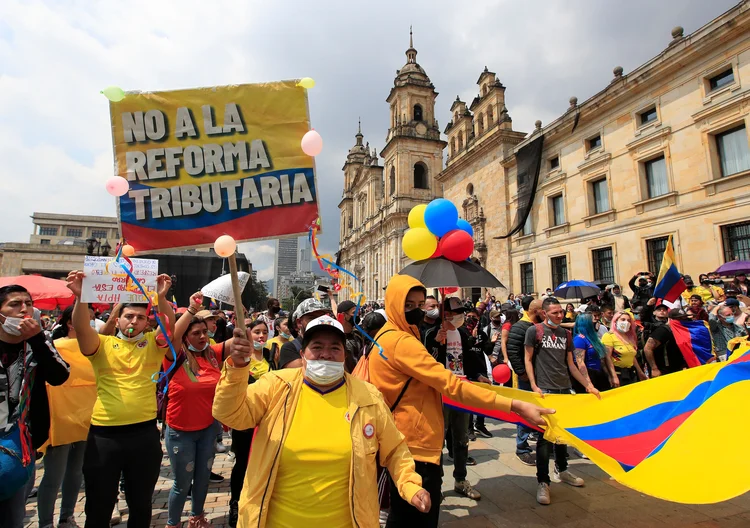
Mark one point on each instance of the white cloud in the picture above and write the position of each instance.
(55, 57)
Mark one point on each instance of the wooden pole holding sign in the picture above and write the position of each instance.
(239, 310)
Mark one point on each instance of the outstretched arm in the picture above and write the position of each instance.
(88, 338)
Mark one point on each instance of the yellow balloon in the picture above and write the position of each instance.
(416, 217)
(306, 82)
(419, 243)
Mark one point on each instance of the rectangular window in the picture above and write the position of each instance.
(48, 231)
(736, 241)
(721, 79)
(656, 177)
(559, 270)
(75, 232)
(601, 196)
(558, 210)
(99, 233)
(44, 242)
(733, 151)
(594, 143)
(655, 248)
(554, 163)
(527, 226)
(527, 277)
(648, 116)
(604, 266)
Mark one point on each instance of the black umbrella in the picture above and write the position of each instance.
(443, 273)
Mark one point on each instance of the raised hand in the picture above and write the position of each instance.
(196, 301)
(163, 283)
(74, 282)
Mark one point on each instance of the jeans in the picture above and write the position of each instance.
(191, 454)
(403, 514)
(523, 432)
(544, 449)
(459, 424)
(133, 450)
(13, 509)
(63, 465)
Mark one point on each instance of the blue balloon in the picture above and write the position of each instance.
(463, 225)
(440, 216)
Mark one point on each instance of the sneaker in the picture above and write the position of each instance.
(463, 487)
(580, 454)
(527, 458)
(70, 522)
(472, 435)
(215, 478)
(483, 432)
(116, 516)
(542, 493)
(220, 447)
(199, 521)
(470, 461)
(233, 513)
(569, 478)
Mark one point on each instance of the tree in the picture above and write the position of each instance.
(255, 296)
(296, 296)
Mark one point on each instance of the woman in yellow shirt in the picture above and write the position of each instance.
(273, 345)
(319, 434)
(70, 406)
(242, 439)
(621, 346)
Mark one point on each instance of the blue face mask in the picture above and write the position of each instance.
(550, 323)
(729, 319)
(285, 336)
(191, 348)
(258, 345)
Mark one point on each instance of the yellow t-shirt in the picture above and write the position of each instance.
(312, 484)
(623, 354)
(258, 367)
(125, 392)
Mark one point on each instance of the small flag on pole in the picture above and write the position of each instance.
(669, 285)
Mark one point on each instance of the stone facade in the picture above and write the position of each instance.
(377, 198)
(661, 150)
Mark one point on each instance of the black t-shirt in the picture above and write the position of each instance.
(667, 355)
(289, 352)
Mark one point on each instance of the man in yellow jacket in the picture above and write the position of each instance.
(318, 434)
(412, 383)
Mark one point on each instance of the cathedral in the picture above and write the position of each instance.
(378, 197)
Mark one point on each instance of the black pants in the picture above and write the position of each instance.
(403, 514)
(133, 450)
(544, 450)
(457, 436)
(241, 442)
(626, 375)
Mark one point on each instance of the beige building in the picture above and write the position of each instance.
(662, 150)
(377, 198)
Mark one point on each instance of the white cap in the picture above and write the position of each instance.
(324, 321)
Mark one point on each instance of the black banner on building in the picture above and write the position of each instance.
(528, 163)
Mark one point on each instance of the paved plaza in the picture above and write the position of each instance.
(508, 497)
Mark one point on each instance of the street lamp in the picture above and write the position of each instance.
(93, 245)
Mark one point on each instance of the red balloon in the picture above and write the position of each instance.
(437, 253)
(457, 245)
(448, 291)
(501, 373)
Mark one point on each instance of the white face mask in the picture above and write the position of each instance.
(322, 372)
(458, 320)
(432, 314)
(623, 326)
(12, 325)
(129, 338)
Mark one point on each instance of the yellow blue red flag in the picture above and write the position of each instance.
(669, 284)
(644, 434)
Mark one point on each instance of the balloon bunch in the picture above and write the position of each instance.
(335, 272)
(436, 230)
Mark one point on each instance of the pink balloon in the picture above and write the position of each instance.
(312, 143)
(117, 186)
(225, 246)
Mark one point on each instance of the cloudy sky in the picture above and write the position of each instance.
(55, 56)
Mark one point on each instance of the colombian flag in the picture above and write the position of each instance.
(694, 340)
(652, 436)
(669, 285)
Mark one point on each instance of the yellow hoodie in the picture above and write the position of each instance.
(419, 415)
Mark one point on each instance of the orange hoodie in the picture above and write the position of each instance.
(419, 415)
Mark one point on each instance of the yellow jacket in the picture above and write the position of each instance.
(419, 415)
(269, 405)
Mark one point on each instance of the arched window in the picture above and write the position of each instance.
(417, 113)
(453, 146)
(480, 124)
(392, 181)
(455, 117)
(484, 90)
(490, 117)
(460, 140)
(420, 176)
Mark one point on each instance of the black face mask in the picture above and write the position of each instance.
(415, 316)
(275, 309)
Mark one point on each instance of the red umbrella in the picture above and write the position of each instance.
(46, 293)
